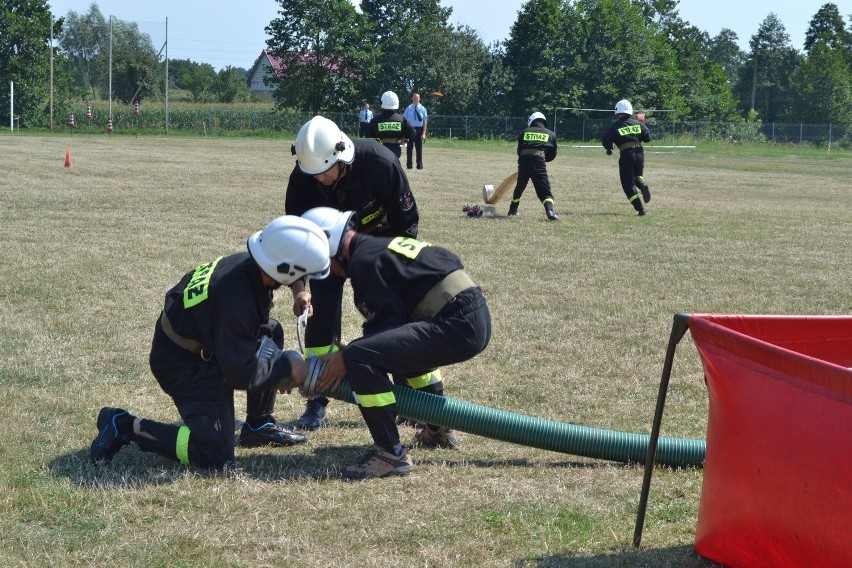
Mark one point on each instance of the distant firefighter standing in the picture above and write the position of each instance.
(627, 134)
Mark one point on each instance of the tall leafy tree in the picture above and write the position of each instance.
(621, 53)
(413, 42)
(822, 85)
(323, 51)
(495, 84)
(25, 58)
(543, 54)
(827, 25)
(231, 85)
(86, 41)
(135, 72)
(726, 53)
(765, 81)
(200, 81)
(821, 89)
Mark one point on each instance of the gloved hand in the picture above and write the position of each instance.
(609, 152)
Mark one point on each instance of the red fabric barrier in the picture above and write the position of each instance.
(777, 485)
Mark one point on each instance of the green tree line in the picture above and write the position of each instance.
(559, 53)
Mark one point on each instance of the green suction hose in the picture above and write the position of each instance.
(537, 432)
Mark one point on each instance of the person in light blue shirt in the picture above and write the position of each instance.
(365, 115)
(417, 116)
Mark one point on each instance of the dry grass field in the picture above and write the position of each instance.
(582, 310)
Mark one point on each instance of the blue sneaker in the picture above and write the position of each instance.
(109, 439)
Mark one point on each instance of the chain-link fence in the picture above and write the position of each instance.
(234, 122)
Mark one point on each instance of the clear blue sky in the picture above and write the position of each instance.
(232, 32)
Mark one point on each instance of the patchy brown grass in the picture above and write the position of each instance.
(581, 308)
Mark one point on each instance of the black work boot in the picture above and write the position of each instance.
(513, 209)
(314, 414)
(551, 215)
(270, 433)
(639, 181)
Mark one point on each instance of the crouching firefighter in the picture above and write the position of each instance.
(215, 336)
(421, 310)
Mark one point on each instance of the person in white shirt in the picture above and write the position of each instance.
(365, 115)
(417, 116)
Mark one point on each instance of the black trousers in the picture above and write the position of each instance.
(205, 401)
(394, 147)
(631, 164)
(460, 331)
(532, 168)
(363, 127)
(415, 144)
(325, 325)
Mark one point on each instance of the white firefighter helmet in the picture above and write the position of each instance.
(320, 144)
(290, 248)
(536, 116)
(390, 101)
(334, 224)
(623, 107)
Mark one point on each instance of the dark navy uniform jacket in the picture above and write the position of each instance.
(391, 276)
(375, 187)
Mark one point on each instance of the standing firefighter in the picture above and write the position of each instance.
(389, 127)
(421, 311)
(361, 176)
(215, 336)
(536, 145)
(628, 133)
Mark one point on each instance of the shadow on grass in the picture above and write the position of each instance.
(132, 468)
(672, 557)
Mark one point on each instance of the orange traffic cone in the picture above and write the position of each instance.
(68, 159)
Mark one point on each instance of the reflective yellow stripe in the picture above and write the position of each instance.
(198, 286)
(320, 350)
(630, 129)
(375, 400)
(634, 198)
(377, 213)
(425, 379)
(182, 445)
(550, 199)
(536, 137)
(407, 247)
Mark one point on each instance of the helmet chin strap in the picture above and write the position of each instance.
(341, 173)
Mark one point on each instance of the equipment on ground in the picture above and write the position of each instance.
(472, 210)
(492, 196)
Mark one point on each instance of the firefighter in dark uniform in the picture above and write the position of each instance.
(215, 336)
(364, 177)
(536, 145)
(389, 127)
(627, 134)
(421, 311)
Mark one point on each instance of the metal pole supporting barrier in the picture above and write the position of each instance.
(679, 328)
